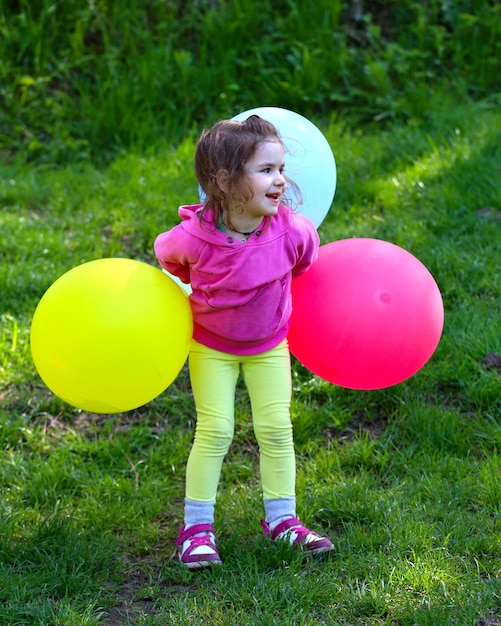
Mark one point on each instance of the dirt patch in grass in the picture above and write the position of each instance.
(129, 606)
(492, 361)
(139, 594)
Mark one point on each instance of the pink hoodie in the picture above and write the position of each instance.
(241, 292)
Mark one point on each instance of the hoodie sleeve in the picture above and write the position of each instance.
(307, 243)
(171, 250)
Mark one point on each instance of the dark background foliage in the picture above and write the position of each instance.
(80, 80)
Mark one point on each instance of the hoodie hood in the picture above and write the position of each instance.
(206, 229)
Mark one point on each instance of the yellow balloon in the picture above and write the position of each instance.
(111, 335)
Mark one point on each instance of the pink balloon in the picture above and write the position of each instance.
(367, 314)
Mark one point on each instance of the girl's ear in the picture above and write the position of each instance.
(223, 180)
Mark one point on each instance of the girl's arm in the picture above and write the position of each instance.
(307, 244)
(170, 250)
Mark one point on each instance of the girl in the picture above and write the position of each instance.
(240, 250)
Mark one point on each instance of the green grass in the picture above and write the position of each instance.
(406, 480)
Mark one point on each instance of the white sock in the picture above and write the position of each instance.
(198, 512)
(279, 510)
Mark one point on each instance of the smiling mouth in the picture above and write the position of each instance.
(273, 196)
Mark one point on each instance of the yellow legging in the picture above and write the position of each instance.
(214, 377)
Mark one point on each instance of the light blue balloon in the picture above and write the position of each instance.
(309, 160)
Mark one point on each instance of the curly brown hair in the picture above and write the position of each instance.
(227, 147)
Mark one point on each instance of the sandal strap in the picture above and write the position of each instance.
(197, 536)
(186, 533)
(265, 526)
(302, 533)
(290, 523)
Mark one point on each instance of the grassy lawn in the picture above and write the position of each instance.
(406, 480)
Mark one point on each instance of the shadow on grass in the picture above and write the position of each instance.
(55, 571)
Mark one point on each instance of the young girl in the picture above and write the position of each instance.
(239, 250)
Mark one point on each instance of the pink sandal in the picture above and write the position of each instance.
(292, 531)
(196, 547)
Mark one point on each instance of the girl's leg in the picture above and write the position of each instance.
(268, 379)
(213, 378)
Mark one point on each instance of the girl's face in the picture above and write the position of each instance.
(265, 179)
